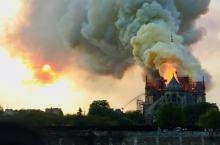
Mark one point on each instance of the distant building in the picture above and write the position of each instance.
(181, 91)
(55, 111)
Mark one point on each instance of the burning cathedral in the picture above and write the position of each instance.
(180, 90)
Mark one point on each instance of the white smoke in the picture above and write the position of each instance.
(152, 46)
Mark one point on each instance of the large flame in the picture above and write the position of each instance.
(168, 70)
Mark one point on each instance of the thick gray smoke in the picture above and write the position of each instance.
(108, 36)
(111, 35)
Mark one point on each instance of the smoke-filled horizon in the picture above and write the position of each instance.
(107, 37)
(112, 35)
(97, 44)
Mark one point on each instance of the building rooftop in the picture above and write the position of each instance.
(174, 85)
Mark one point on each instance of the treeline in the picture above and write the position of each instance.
(100, 114)
(204, 115)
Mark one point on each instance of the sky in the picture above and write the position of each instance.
(207, 49)
(34, 78)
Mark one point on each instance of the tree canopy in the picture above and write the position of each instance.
(210, 119)
(192, 113)
(100, 113)
(170, 116)
(100, 108)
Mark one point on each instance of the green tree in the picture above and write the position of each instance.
(170, 116)
(80, 112)
(1, 109)
(36, 118)
(136, 117)
(68, 119)
(192, 113)
(100, 108)
(101, 114)
(210, 119)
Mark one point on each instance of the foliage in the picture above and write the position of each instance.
(95, 121)
(192, 113)
(135, 117)
(101, 114)
(33, 117)
(1, 109)
(170, 116)
(100, 108)
(80, 112)
(210, 119)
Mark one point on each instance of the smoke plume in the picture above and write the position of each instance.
(111, 35)
(108, 36)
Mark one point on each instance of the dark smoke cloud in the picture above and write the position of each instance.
(190, 11)
(104, 29)
(97, 36)
(99, 32)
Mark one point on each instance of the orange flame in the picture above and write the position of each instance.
(168, 70)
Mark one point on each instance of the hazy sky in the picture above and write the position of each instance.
(207, 49)
(73, 88)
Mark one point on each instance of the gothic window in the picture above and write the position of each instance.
(174, 97)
